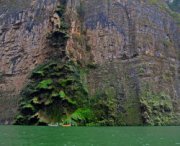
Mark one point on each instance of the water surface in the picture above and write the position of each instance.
(89, 136)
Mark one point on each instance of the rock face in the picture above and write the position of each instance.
(24, 25)
(132, 46)
(135, 44)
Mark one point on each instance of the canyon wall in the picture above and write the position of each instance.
(136, 46)
(132, 48)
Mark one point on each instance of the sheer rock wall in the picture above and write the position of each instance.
(24, 25)
(133, 47)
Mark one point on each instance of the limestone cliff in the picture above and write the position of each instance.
(131, 48)
(24, 25)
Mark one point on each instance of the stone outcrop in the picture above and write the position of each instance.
(131, 46)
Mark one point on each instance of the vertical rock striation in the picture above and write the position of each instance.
(24, 25)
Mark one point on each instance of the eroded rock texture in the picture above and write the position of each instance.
(136, 46)
(132, 46)
(24, 25)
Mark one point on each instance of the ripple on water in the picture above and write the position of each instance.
(146, 144)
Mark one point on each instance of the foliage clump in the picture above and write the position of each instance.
(104, 105)
(156, 109)
(175, 5)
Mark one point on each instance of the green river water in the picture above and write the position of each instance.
(89, 136)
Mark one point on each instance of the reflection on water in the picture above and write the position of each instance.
(89, 136)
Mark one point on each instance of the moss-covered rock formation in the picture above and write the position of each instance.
(59, 35)
(57, 93)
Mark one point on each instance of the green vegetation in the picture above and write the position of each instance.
(130, 114)
(154, 2)
(82, 116)
(156, 109)
(104, 105)
(56, 90)
(58, 37)
(171, 9)
(175, 5)
(58, 93)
